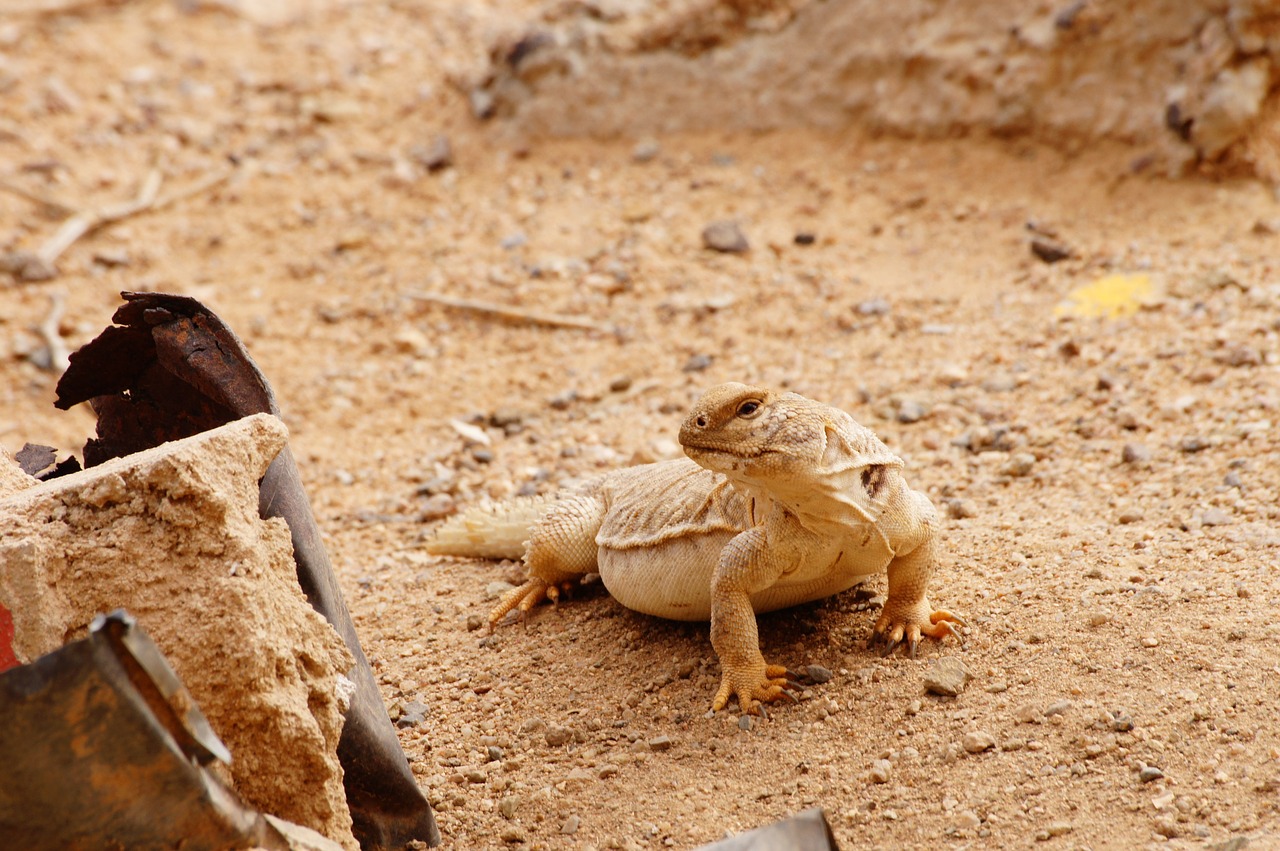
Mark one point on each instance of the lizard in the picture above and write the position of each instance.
(781, 500)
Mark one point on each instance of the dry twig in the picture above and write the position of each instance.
(42, 264)
(59, 353)
(511, 314)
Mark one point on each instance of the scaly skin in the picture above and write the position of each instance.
(789, 500)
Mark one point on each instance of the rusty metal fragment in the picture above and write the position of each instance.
(170, 368)
(102, 747)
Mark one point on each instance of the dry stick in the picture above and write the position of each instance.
(59, 354)
(58, 208)
(532, 317)
(90, 220)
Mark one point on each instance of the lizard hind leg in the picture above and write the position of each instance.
(560, 551)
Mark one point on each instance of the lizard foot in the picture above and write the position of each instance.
(755, 685)
(890, 631)
(526, 596)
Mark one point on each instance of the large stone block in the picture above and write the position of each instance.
(173, 535)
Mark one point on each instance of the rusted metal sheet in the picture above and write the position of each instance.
(170, 368)
(101, 746)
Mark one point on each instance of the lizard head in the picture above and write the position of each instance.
(736, 428)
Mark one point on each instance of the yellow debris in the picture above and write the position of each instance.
(1110, 297)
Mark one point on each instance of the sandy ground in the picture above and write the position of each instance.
(1121, 604)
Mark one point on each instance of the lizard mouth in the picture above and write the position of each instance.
(720, 451)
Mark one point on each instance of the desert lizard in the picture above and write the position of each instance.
(781, 500)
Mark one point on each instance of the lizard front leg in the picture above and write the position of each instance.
(747, 565)
(907, 614)
(560, 551)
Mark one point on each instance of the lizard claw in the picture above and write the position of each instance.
(892, 632)
(752, 687)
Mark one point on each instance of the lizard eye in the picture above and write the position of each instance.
(748, 408)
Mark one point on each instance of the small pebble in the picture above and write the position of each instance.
(1028, 714)
(946, 676)
(513, 835)
(557, 736)
(1214, 517)
(725, 236)
(910, 411)
(1019, 465)
(508, 806)
(819, 674)
(570, 826)
(977, 741)
(968, 820)
(881, 771)
(697, 363)
(645, 150)
(874, 307)
(435, 155)
(805, 238)
(494, 753)
(661, 743)
(1048, 250)
(1150, 773)
(746, 722)
(1057, 708)
(1150, 641)
(959, 509)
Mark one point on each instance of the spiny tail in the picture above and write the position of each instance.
(490, 530)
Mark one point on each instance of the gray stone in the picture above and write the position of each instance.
(946, 676)
(819, 674)
(725, 236)
(1150, 773)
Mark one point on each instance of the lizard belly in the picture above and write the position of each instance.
(671, 580)
(847, 557)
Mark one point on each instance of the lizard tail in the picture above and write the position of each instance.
(490, 530)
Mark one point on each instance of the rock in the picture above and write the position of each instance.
(959, 509)
(412, 714)
(494, 754)
(1150, 773)
(874, 307)
(1048, 250)
(819, 674)
(1214, 517)
(1019, 465)
(646, 150)
(1230, 107)
(435, 155)
(1058, 707)
(1194, 444)
(533, 725)
(570, 826)
(977, 741)
(805, 238)
(947, 676)
(697, 363)
(661, 743)
(746, 722)
(910, 411)
(190, 506)
(1028, 713)
(725, 236)
(1130, 516)
(513, 835)
(881, 771)
(557, 736)
(508, 806)
(968, 820)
